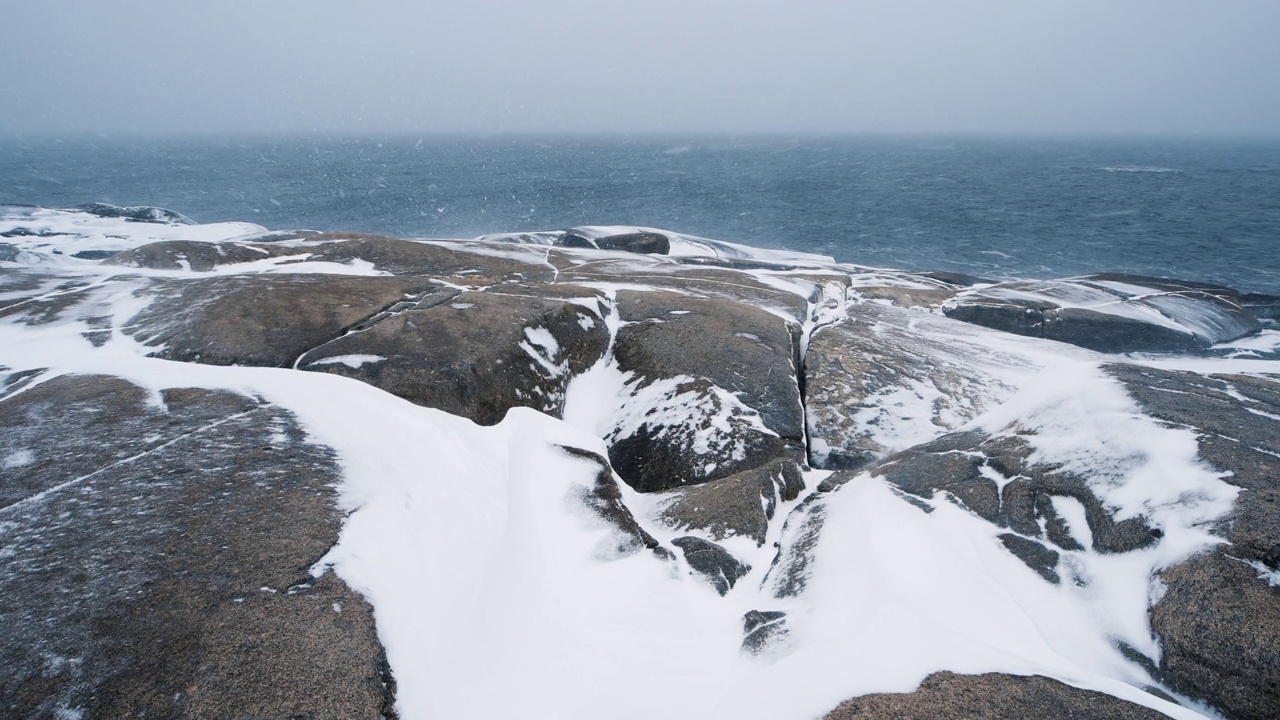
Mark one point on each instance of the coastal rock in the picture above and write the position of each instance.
(265, 320)
(996, 478)
(138, 213)
(887, 378)
(474, 354)
(604, 498)
(740, 505)
(715, 564)
(994, 696)
(723, 377)
(1218, 618)
(1110, 313)
(157, 556)
(763, 630)
(640, 242)
(189, 255)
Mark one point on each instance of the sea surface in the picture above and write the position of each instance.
(1197, 209)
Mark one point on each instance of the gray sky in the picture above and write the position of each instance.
(915, 66)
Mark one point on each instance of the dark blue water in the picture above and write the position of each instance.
(1196, 209)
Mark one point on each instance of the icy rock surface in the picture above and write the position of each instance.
(304, 473)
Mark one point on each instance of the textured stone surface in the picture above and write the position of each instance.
(715, 564)
(156, 561)
(1156, 315)
(888, 377)
(1219, 620)
(266, 320)
(947, 696)
(475, 354)
(739, 505)
(749, 354)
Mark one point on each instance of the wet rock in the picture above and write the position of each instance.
(738, 505)
(727, 391)
(157, 557)
(994, 696)
(1111, 313)
(475, 354)
(887, 378)
(712, 562)
(263, 320)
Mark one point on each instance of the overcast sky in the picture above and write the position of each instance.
(674, 66)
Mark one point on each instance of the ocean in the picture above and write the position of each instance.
(1195, 209)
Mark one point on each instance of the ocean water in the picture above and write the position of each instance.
(1204, 210)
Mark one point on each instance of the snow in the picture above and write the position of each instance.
(493, 595)
(351, 361)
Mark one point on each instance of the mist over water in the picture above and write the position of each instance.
(1204, 210)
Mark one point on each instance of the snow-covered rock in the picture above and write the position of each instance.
(302, 473)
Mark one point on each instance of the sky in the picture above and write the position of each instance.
(652, 66)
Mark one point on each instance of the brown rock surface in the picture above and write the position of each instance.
(157, 558)
(947, 696)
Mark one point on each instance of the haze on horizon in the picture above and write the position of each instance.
(662, 66)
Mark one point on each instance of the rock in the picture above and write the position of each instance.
(738, 505)
(139, 213)
(264, 320)
(475, 354)
(907, 297)
(1219, 630)
(964, 464)
(1264, 307)
(647, 243)
(1037, 557)
(790, 570)
(9, 253)
(156, 561)
(712, 562)
(643, 242)
(1218, 619)
(887, 378)
(729, 396)
(190, 255)
(763, 630)
(573, 240)
(1110, 313)
(994, 696)
(682, 276)
(480, 263)
(604, 498)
